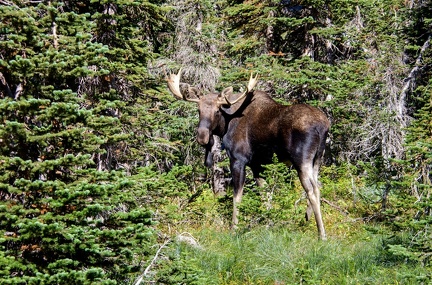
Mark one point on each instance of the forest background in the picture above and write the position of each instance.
(102, 182)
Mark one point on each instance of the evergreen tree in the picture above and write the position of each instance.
(412, 211)
(66, 71)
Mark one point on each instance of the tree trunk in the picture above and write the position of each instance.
(219, 180)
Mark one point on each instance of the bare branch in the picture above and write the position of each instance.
(410, 80)
(54, 33)
(54, 28)
(383, 129)
(342, 211)
(146, 271)
(18, 91)
(7, 3)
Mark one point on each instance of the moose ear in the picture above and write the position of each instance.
(194, 93)
(227, 92)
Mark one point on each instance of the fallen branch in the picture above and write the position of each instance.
(146, 271)
(344, 212)
(303, 197)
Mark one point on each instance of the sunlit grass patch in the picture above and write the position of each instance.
(277, 256)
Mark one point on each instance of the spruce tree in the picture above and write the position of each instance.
(66, 71)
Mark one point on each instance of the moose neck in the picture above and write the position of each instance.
(206, 128)
(221, 127)
(219, 131)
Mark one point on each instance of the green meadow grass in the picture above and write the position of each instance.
(276, 246)
(278, 256)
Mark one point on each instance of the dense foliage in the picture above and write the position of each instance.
(100, 174)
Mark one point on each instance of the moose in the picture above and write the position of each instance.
(253, 127)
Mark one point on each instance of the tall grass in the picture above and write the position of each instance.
(277, 256)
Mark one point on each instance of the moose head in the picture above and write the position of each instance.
(211, 107)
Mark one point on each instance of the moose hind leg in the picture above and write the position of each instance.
(309, 210)
(316, 186)
(309, 183)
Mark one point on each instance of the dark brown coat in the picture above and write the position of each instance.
(253, 129)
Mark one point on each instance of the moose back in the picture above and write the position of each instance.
(253, 127)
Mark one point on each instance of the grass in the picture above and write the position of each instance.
(275, 246)
(278, 256)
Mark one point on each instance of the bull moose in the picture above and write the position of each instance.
(253, 127)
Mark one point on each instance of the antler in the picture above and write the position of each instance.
(174, 86)
(251, 84)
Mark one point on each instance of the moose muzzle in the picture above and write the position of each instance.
(203, 136)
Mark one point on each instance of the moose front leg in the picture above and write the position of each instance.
(208, 161)
(238, 176)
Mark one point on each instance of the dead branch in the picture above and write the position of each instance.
(410, 80)
(331, 204)
(18, 91)
(146, 271)
(7, 3)
(344, 212)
